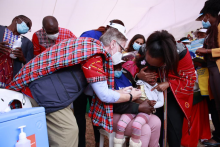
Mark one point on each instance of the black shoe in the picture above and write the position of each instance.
(210, 144)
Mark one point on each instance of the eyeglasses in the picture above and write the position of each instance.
(120, 46)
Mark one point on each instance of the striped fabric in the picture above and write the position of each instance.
(70, 52)
(45, 42)
(6, 63)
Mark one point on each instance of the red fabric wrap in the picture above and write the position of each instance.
(182, 86)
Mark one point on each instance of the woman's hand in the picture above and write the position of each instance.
(145, 107)
(146, 76)
(202, 51)
(161, 86)
(152, 102)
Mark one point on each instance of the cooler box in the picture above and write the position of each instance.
(36, 128)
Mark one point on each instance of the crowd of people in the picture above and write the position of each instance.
(127, 87)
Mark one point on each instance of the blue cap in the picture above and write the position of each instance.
(197, 19)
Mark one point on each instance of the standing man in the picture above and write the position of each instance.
(49, 35)
(8, 35)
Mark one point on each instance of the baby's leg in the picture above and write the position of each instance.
(140, 120)
(122, 124)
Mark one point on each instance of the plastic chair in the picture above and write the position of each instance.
(6, 96)
(110, 138)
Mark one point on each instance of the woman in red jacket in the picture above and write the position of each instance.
(174, 60)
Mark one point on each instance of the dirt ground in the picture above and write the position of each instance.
(90, 140)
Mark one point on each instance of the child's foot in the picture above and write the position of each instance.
(118, 142)
(134, 144)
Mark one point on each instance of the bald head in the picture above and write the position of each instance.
(50, 25)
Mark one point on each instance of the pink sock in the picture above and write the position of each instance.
(122, 124)
(139, 121)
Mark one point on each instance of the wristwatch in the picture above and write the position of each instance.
(130, 97)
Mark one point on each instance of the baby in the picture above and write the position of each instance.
(155, 98)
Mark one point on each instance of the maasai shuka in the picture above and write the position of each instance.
(182, 86)
(41, 41)
(70, 52)
(6, 62)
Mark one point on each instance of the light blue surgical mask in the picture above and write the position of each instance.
(136, 46)
(22, 28)
(206, 24)
(118, 73)
(202, 40)
(188, 46)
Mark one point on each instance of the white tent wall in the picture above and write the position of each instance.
(139, 16)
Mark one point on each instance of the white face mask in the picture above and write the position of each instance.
(53, 36)
(116, 57)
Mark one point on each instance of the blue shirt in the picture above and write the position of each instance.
(122, 82)
(92, 34)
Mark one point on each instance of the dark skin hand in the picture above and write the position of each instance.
(203, 51)
(19, 54)
(4, 48)
(146, 76)
(161, 86)
(146, 107)
(152, 102)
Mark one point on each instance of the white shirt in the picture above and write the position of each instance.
(152, 95)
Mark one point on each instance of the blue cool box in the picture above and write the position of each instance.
(33, 118)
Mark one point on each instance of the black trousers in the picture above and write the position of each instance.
(175, 118)
(215, 119)
(214, 80)
(79, 106)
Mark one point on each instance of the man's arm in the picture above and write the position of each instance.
(126, 107)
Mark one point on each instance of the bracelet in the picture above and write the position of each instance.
(206, 51)
(130, 97)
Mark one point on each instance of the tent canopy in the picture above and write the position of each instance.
(139, 16)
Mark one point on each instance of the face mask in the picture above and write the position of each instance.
(206, 24)
(202, 40)
(22, 28)
(54, 36)
(136, 46)
(116, 57)
(118, 74)
(188, 46)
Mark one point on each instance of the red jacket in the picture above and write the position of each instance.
(182, 86)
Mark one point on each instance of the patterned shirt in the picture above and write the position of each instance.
(68, 53)
(6, 63)
(42, 42)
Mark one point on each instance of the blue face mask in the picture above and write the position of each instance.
(202, 40)
(136, 46)
(118, 73)
(188, 46)
(206, 24)
(22, 28)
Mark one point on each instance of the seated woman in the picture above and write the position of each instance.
(148, 132)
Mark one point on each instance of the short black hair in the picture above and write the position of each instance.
(25, 19)
(49, 18)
